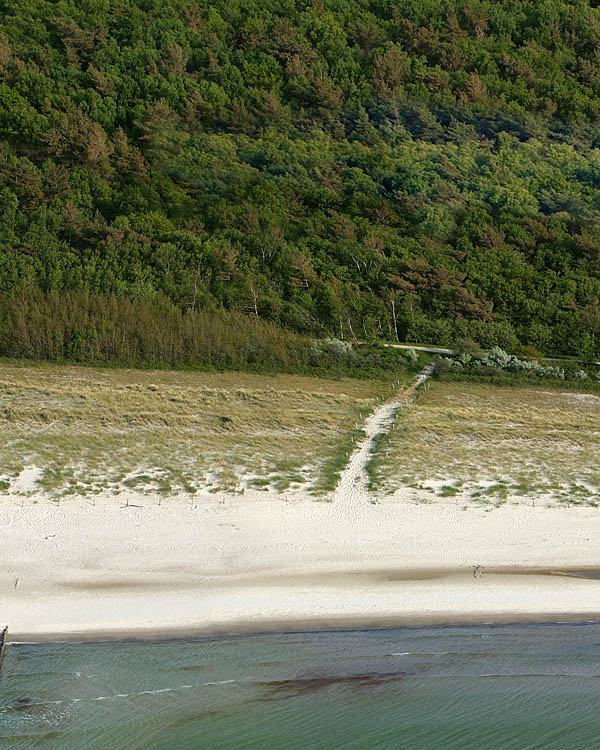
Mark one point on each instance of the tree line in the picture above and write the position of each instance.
(73, 326)
(426, 170)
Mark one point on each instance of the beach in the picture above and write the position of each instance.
(131, 507)
(128, 566)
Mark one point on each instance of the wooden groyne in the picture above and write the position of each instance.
(3, 639)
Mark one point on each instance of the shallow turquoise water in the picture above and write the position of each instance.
(519, 686)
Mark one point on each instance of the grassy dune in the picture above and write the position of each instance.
(484, 444)
(77, 430)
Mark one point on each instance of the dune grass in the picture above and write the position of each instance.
(88, 431)
(485, 444)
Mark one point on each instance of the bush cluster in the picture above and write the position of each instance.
(497, 361)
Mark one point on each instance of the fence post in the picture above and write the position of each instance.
(3, 637)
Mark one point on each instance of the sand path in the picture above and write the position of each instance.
(353, 486)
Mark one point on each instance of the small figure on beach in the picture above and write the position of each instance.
(477, 571)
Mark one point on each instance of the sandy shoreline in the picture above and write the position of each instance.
(310, 625)
(241, 629)
(257, 563)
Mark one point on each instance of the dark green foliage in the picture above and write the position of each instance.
(425, 170)
(78, 327)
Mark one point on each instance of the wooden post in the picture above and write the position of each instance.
(3, 638)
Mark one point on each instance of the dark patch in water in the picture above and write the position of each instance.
(27, 706)
(22, 704)
(38, 737)
(275, 689)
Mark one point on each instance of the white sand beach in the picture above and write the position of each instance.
(218, 563)
(143, 564)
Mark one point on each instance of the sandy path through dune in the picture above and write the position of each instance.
(354, 480)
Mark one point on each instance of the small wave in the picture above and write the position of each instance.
(541, 674)
(53, 643)
(6, 708)
(220, 682)
(54, 674)
(428, 653)
(469, 654)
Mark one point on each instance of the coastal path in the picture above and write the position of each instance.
(353, 485)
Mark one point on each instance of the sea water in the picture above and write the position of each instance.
(518, 686)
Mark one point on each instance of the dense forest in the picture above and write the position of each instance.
(420, 170)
